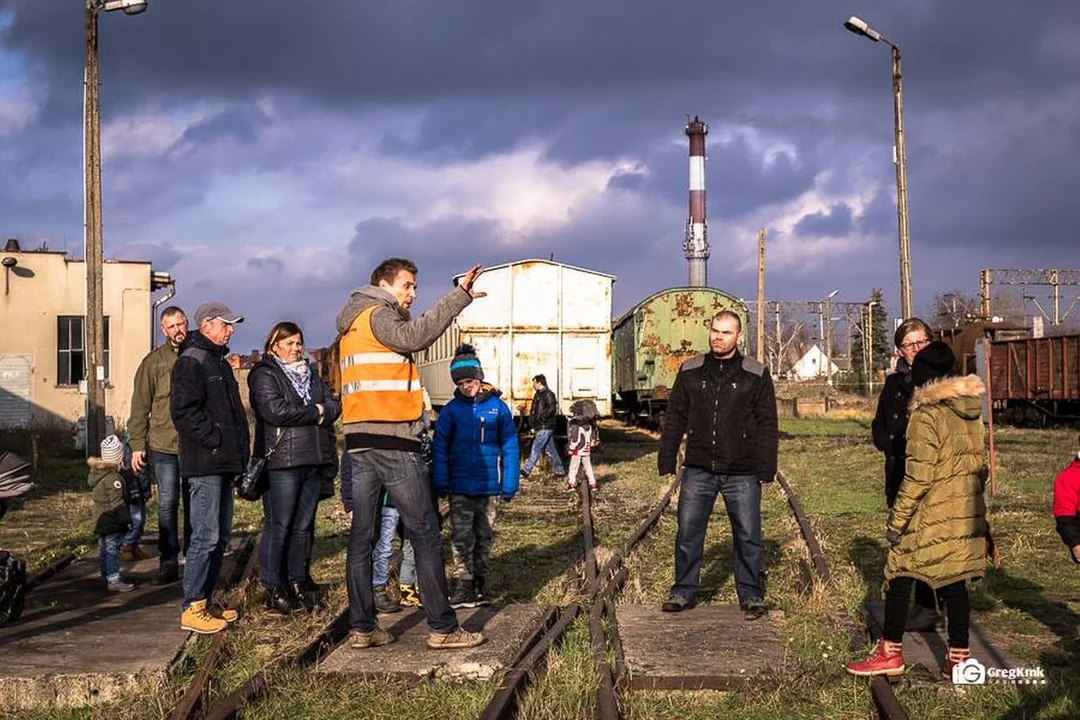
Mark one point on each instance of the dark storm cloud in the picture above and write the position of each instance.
(238, 123)
(163, 256)
(345, 52)
(592, 80)
(273, 264)
(739, 178)
(837, 222)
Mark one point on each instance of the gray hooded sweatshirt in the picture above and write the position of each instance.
(394, 328)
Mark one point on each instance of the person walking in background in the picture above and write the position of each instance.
(154, 442)
(725, 404)
(475, 452)
(889, 430)
(542, 416)
(579, 436)
(1067, 506)
(382, 402)
(295, 413)
(937, 530)
(111, 510)
(212, 430)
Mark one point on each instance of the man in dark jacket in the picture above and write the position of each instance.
(542, 415)
(154, 442)
(726, 406)
(214, 447)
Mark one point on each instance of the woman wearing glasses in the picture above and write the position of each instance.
(890, 437)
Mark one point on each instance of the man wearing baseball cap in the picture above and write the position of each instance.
(214, 443)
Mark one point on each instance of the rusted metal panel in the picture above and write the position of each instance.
(652, 340)
(1036, 369)
(539, 317)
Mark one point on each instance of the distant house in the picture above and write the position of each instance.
(813, 365)
(42, 335)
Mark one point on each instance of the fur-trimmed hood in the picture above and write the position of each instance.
(962, 394)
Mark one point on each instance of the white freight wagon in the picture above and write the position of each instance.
(539, 317)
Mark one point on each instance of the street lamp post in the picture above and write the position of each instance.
(94, 347)
(868, 343)
(828, 336)
(860, 27)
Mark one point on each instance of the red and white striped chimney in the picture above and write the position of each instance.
(696, 245)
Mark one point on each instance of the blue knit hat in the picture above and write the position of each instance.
(465, 365)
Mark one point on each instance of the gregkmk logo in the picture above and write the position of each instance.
(973, 672)
(969, 672)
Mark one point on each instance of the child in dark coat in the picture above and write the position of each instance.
(475, 453)
(111, 508)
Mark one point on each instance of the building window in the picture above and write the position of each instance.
(71, 352)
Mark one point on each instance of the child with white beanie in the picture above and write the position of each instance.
(111, 508)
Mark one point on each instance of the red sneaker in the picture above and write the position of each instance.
(886, 659)
(954, 657)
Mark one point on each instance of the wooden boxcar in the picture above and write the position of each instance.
(650, 342)
(1037, 373)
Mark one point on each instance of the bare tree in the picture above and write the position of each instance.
(783, 340)
(953, 308)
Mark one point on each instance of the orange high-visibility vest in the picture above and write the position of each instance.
(377, 384)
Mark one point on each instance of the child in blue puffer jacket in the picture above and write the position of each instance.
(475, 453)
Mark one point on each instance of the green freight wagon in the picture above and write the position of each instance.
(650, 342)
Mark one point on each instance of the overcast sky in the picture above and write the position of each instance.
(269, 154)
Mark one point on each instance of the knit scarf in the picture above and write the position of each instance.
(299, 374)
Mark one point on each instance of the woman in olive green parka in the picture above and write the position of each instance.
(937, 529)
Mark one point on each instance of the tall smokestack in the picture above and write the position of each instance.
(696, 245)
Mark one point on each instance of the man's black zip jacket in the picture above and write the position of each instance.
(727, 410)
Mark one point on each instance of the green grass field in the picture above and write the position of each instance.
(1030, 603)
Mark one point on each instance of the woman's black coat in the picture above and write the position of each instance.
(278, 408)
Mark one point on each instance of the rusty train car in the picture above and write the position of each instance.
(1029, 378)
(1036, 377)
(650, 342)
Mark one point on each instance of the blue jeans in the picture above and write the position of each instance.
(407, 576)
(380, 570)
(289, 504)
(109, 555)
(170, 487)
(742, 498)
(405, 477)
(211, 529)
(137, 511)
(544, 442)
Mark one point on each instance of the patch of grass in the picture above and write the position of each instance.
(1030, 604)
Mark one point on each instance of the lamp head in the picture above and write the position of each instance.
(130, 7)
(831, 295)
(859, 26)
(9, 262)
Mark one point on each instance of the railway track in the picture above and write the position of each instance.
(885, 701)
(596, 603)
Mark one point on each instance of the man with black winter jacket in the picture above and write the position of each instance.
(542, 416)
(214, 444)
(725, 405)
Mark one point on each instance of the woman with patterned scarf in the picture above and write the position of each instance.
(294, 419)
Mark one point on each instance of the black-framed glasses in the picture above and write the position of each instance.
(914, 344)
